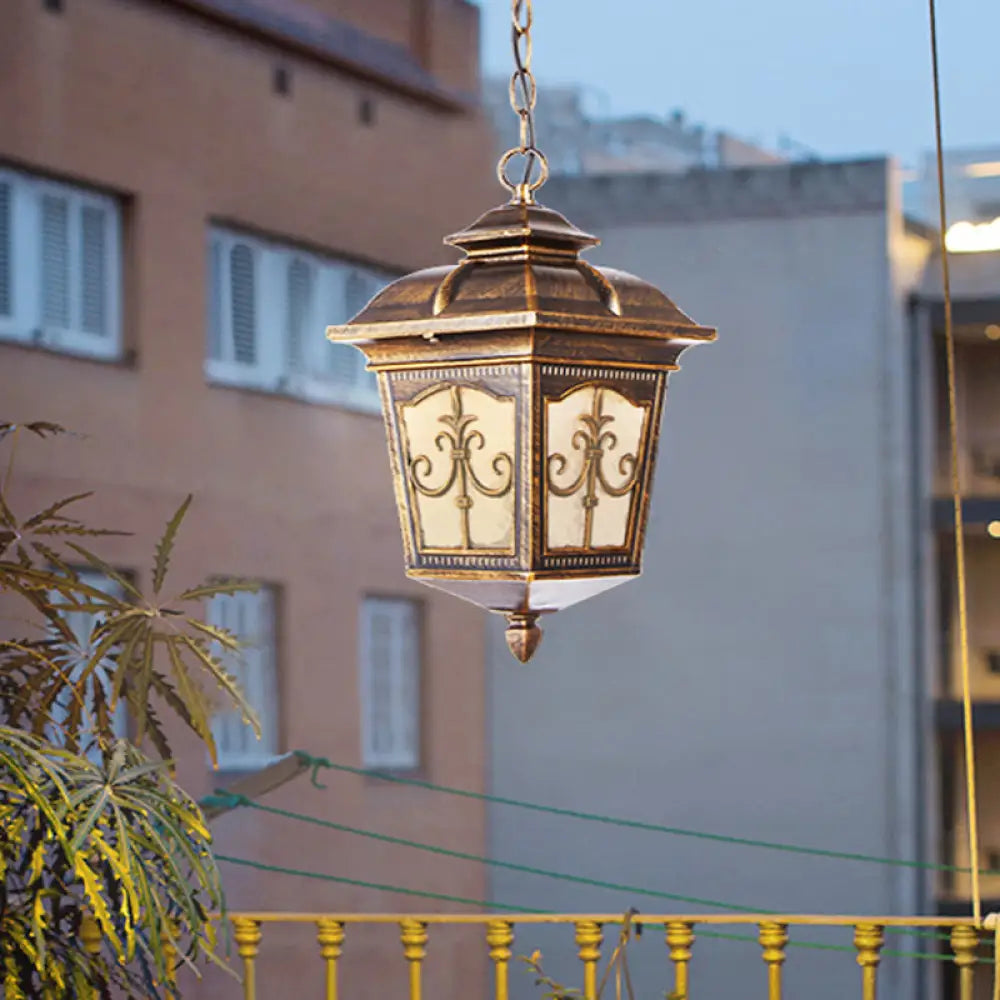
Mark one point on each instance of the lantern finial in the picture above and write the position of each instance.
(523, 634)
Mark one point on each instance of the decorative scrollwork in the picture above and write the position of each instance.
(594, 440)
(459, 442)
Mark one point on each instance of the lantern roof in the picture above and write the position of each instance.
(522, 269)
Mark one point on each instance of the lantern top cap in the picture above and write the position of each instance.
(521, 231)
(522, 269)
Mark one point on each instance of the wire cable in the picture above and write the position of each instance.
(321, 763)
(956, 486)
(507, 908)
(234, 800)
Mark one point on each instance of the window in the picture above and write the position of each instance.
(251, 618)
(993, 661)
(60, 266)
(84, 624)
(269, 307)
(389, 649)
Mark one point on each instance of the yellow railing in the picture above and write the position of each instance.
(773, 935)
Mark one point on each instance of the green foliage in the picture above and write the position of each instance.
(133, 629)
(617, 966)
(553, 990)
(111, 838)
(118, 842)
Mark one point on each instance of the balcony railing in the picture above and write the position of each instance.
(774, 933)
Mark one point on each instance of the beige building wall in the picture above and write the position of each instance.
(175, 112)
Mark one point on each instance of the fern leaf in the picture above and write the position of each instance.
(222, 636)
(6, 514)
(219, 587)
(193, 700)
(98, 563)
(166, 543)
(218, 674)
(59, 528)
(43, 428)
(140, 686)
(157, 734)
(53, 509)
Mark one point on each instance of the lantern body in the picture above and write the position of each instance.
(522, 392)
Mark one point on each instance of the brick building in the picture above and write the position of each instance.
(190, 191)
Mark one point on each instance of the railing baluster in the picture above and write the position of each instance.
(965, 945)
(868, 939)
(330, 934)
(247, 935)
(773, 937)
(589, 938)
(413, 934)
(499, 937)
(680, 937)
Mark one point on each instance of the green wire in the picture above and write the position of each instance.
(316, 763)
(464, 901)
(233, 800)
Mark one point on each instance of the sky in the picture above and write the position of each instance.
(841, 77)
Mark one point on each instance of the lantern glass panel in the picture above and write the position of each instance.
(594, 440)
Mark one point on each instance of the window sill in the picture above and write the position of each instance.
(307, 396)
(116, 357)
(399, 774)
(242, 766)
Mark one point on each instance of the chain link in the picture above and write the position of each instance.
(523, 96)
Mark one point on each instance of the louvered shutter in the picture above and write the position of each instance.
(60, 265)
(381, 654)
(407, 707)
(248, 288)
(390, 683)
(216, 309)
(6, 251)
(343, 363)
(250, 617)
(243, 304)
(346, 365)
(299, 313)
(222, 613)
(94, 284)
(55, 286)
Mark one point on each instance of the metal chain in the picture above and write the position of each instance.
(523, 95)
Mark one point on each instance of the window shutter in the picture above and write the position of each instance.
(299, 307)
(225, 724)
(344, 363)
(359, 291)
(380, 670)
(82, 624)
(250, 618)
(55, 261)
(408, 704)
(6, 250)
(94, 291)
(390, 683)
(243, 294)
(215, 307)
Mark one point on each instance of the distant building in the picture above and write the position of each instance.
(972, 179)
(575, 140)
(785, 669)
(190, 191)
